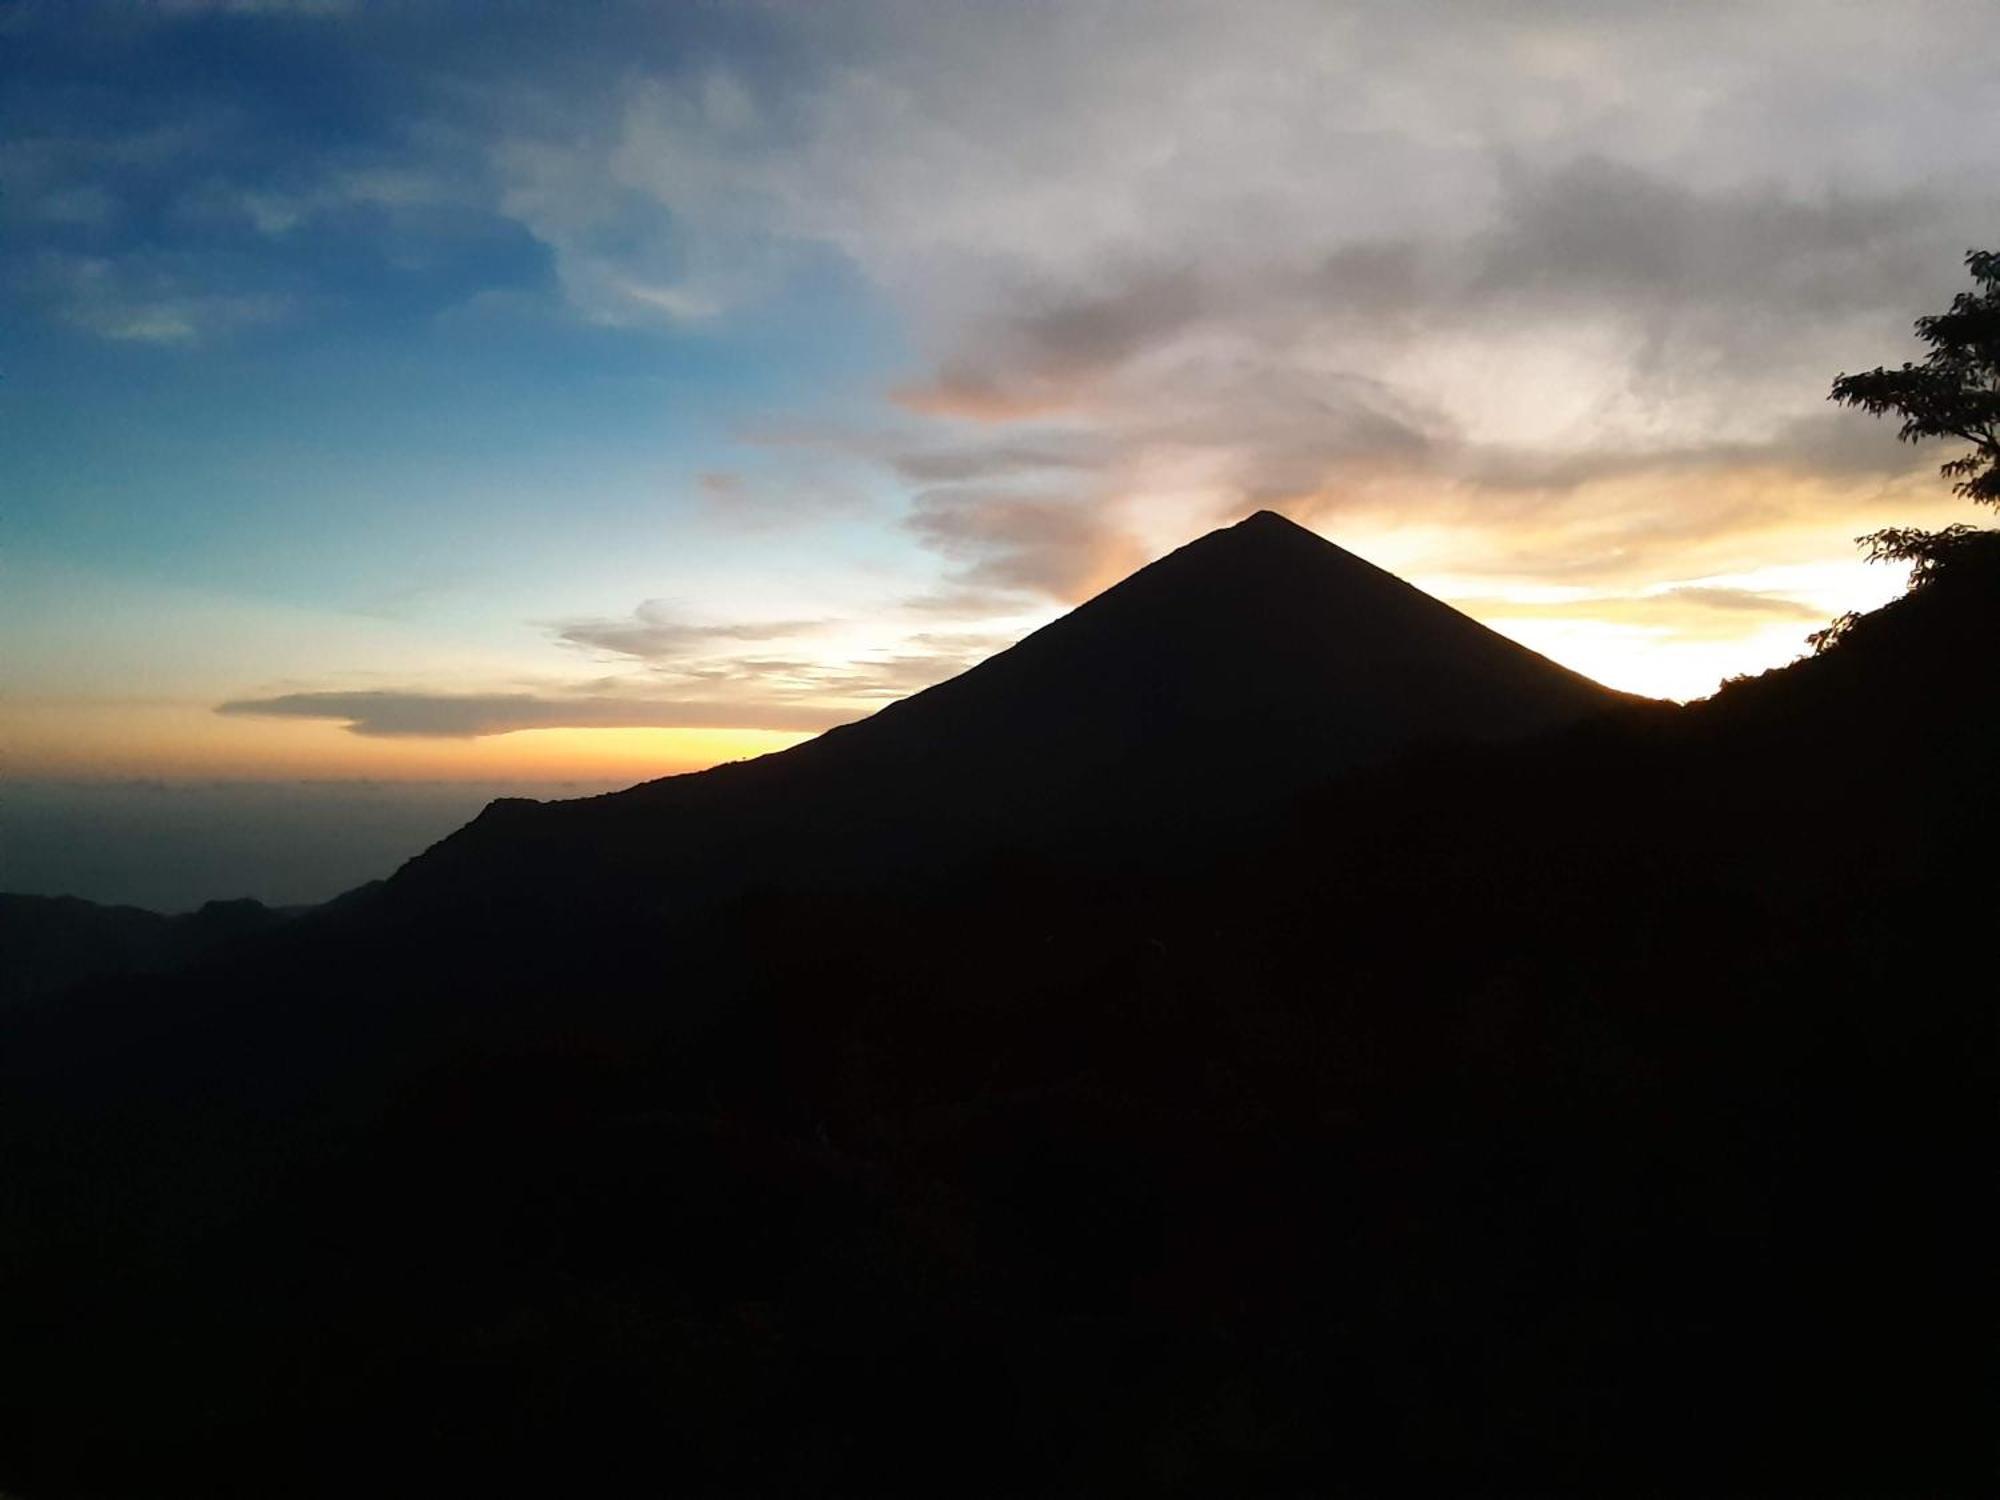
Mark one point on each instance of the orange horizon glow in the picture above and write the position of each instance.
(108, 740)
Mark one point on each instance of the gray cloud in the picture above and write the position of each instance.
(1040, 357)
(392, 714)
(1600, 232)
(1245, 252)
(1013, 541)
(975, 460)
(1829, 444)
(653, 633)
(1713, 322)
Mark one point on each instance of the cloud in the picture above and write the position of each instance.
(1009, 541)
(739, 690)
(880, 678)
(825, 669)
(1041, 358)
(391, 714)
(389, 192)
(1742, 599)
(832, 681)
(147, 301)
(1484, 380)
(977, 460)
(1309, 256)
(653, 633)
(157, 198)
(1597, 231)
(625, 255)
(1561, 286)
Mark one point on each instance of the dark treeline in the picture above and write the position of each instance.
(1607, 1112)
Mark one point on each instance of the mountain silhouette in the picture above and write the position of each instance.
(1262, 1035)
(49, 943)
(1246, 665)
(1259, 650)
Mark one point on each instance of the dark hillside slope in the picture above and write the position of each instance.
(49, 943)
(1605, 1112)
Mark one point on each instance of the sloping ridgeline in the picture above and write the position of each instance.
(1108, 1072)
(1250, 664)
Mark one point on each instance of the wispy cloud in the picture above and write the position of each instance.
(1010, 540)
(655, 633)
(474, 715)
(137, 301)
(683, 687)
(1742, 599)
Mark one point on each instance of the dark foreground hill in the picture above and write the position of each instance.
(1605, 1111)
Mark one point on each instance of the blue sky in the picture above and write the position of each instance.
(275, 334)
(523, 390)
(286, 365)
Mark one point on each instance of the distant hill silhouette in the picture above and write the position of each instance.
(1550, 1093)
(49, 943)
(1247, 665)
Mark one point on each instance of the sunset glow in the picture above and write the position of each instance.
(996, 747)
(368, 422)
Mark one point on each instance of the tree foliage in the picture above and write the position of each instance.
(1955, 392)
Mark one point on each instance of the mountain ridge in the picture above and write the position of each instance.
(1241, 667)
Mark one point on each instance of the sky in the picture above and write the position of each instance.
(424, 392)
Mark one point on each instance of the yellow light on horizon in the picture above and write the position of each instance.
(124, 739)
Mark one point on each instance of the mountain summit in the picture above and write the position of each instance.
(1258, 648)
(1252, 662)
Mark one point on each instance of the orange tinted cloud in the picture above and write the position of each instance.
(970, 398)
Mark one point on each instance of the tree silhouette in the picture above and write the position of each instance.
(1955, 392)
